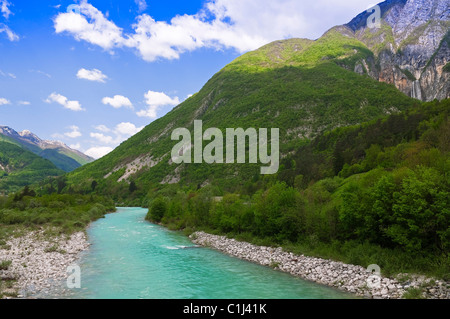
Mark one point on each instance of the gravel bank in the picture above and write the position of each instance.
(349, 278)
(38, 263)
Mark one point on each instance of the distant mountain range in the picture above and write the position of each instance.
(62, 156)
(20, 167)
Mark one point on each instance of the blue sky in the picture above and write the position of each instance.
(93, 73)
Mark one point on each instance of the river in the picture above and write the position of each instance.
(130, 258)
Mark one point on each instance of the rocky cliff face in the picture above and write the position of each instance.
(411, 46)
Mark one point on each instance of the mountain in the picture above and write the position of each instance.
(303, 87)
(20, 167)
(58, 153)
(351, 75)
(411, 48)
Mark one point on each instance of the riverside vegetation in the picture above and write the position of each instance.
(376, 193)
(53, 218)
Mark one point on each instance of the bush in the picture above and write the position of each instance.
(157, 210)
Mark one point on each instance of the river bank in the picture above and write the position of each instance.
(349, 278)
(38, 262)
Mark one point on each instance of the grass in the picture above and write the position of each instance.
(413, 293)
(4, 265)
(7, 288)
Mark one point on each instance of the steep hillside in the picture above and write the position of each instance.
(58, 153)
(305, 88)
(296, 85)
(19, 167)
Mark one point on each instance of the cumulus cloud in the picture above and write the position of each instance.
(102, 128)
(155, 100)
(236, 24)
(105, 139)
(4, 101)
(24, 103)
(115, 136)
(92, 75)
(117, 101)
(64, 101)
(90, 25)
(74, 133)
(98, 151)
(127, 129)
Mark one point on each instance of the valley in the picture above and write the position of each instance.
(355, 172)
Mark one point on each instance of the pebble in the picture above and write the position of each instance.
(39, 262)
(349, 278)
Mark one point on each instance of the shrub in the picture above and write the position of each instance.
(157, 210)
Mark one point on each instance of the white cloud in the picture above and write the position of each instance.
(102, 128)
(98, 151)
(6, 12)
(105, 139)
(117, 135)
(9, 33)
(90, 25)
(4, 4)
(74, 133)
(142, 5)
(62, 100)
(117, 101)
(154, 100)
(11, 75)
(76, 146)
(24, 103)
(121, 132)
(57, 136)
(4, 101)
(127, 129)
(240, 25)
(92, 75)
(42, 73)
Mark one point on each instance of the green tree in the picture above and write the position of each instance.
(94, 185)
(421, 211)
(132, 188)
(157, 210)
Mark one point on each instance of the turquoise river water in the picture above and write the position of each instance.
(131, 258)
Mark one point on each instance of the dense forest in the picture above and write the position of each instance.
(376, 192)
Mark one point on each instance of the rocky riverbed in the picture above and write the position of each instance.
(350, 278)
(37, 262)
